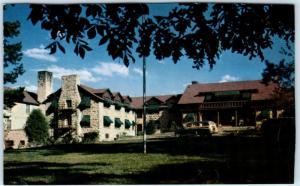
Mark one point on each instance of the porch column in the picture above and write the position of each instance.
(236, 120)
(200, 115)
(218, 118)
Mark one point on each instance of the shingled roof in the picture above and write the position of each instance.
(29, 97)
(137, 102)
(191, 93)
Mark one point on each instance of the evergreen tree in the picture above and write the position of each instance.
(12, 53)
(11, 62)
(37, 127)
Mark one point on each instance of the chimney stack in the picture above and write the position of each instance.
(44, 85)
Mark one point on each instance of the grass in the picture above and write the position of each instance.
(192, 160)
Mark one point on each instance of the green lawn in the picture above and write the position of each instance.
(209, 160)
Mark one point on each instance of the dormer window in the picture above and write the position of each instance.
(69, 103)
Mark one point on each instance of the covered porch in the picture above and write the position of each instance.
(231, 113)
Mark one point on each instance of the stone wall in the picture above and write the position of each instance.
(93, 112)
(17, 137)
(44, 85)
(69, 92)
(111, 132)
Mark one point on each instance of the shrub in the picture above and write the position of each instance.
(189, 118)
(152, 126)
(37, 127)
(90, 137)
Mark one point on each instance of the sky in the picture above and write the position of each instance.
(98, 70)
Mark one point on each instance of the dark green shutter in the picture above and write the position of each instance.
(107, 121)
(85, 121)
(127, 124)
(118, 122)
(85, 103)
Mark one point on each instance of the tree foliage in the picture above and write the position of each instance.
(282, 72)
(12, 96)
(12, 52)
(37, 127)
(199, 31)
(152, 126)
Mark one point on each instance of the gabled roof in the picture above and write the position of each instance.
(176, 97)
(117, 94)
(87, 90)
(29, 97)
(137, 102)
(191, 93)
(128, 98)
(98, 92)
(154, 99)
(55, 94)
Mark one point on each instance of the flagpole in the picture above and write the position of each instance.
(144, 101)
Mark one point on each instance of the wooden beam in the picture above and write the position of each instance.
(218, 120)
(236, 114)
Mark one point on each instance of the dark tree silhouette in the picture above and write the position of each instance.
(12, 96)
(12, 62)
(283, 72)
(197, 30)
(12, 52)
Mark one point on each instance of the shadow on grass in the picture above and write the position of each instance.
(173, 146)
(246, 160)
(193, 172)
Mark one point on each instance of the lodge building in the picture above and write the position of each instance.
(76, 109)
(230, 103)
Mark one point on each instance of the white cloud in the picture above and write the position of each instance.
(227, 78)
(161, 61)
(84, 74)
(186, 84)
(110, 69)
(138, 71)
(29, 87)
(40, 53)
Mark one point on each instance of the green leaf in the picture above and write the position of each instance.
(103, 40)
(81, 52)
(91, 32)
(53, 48)
(87, 47)
(49, 46)
(61, 48)
(76, 49)
(100, 30)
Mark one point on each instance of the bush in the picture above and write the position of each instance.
(190, 117)
(152, 126)
(37, 127)
(90, 137)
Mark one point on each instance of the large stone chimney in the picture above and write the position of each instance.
(69, 100)
(44, 88)
(69, 91)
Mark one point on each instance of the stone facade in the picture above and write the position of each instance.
(72, 116)
(16, 139)
(112, 132)
(14, 124)
(68, 103)
(44, 87)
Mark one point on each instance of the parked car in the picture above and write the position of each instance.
(201, 128)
